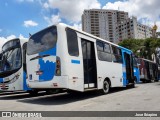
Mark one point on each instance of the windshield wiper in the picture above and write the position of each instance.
(37, 57)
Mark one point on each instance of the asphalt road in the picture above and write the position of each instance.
(144, 97)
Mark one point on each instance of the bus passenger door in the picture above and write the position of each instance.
(129, 67)
(89, 64)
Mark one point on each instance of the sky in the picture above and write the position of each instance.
(19, 18)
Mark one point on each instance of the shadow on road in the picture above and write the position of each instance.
(65, 98)
(16, 96)
(158, 84)
(10, 93)
(147, 82)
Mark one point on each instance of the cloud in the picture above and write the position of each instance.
(78, 26)
(21, 37)
(149, 9)
(8, 37)
(46, 5)
(71, 10)
(54, 19)
(5, 39)
(158, 24)
(30, 23)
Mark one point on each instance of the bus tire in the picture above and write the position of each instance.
(55, 91)
(149, 81)
(71, 92)
(33, 92)
(106, 87)
(132, 85)
(144, 81)
(156, 80)
(135, 80)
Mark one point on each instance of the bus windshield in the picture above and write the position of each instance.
(42, 41)
(11, 56)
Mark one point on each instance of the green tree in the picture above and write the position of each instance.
(142, 47)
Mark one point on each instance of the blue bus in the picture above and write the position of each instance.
(136, 69)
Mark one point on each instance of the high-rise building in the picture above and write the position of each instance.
(113, 25)
(130, 28)
(102, 23)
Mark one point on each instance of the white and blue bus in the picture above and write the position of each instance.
(13, 66)
(61, 57)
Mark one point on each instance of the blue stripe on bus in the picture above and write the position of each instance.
(25, 87)
(75, 61)
(48, 67)
(124, 75)
(1, 80)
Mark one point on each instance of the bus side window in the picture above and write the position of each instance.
(103, 50)
(107, 48)
(116, 55)
(99, 46)
(72, 42)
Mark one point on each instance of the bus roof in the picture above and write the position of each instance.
(90, 35)
(147, 60)
(22, 40)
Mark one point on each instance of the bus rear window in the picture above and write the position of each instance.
(42, 41)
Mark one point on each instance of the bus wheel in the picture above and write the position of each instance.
(144, 81)
(33, 92)
(156, 80)
(71, 92)
(149, 81)
(52, 91)
(106, 87)
(132, 85)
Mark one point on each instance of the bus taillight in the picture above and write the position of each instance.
(58, 71)
(58, 66)
(39, 72)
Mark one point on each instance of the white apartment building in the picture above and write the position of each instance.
(130, 28)
(102, 23)
(113, 25)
